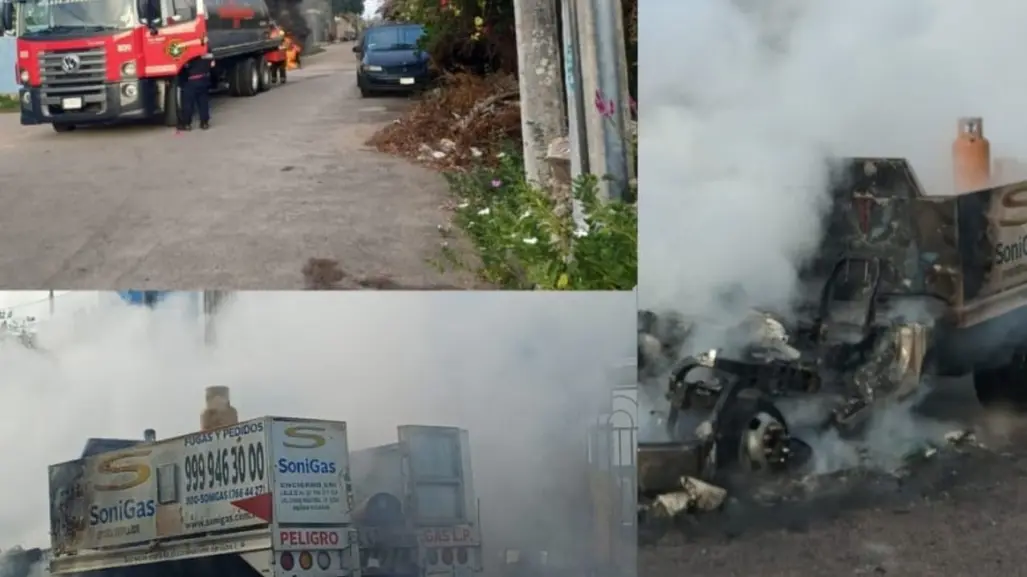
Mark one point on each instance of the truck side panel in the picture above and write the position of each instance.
(993, 240)
(238, 26)
(104, 501)
(181, 486)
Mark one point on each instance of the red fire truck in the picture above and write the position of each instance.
(100, 61)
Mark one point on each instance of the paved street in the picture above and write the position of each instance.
(956, 515)
(280, 178)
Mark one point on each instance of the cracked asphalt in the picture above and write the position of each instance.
(959, 514)
(279, 179)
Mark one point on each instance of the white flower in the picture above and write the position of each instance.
(463, 204)
(526, 214)
(484, 212)
(531, 240)
(580, 232)
(501, 155)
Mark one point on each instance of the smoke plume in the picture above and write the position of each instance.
(524, 373)
(740, 115)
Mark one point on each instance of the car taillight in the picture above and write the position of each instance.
(286, 562)
(447, 556)
(461, 555)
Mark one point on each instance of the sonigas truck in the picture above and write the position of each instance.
(99, 61)
(272, 496)
(269, 496)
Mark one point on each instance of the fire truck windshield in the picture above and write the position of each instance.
(47, 17)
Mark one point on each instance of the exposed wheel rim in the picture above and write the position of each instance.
(255, 80)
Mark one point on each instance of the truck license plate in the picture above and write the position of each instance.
(406, 80)
(71, 104)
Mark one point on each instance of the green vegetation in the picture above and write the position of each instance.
(9, 103)
(348, 6)
(526, 240)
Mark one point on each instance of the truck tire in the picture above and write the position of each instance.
(282, 74)
(1005, 386)
(232, 76)
(249, 77)
(265, 76)
(57, 127)
(172, 102)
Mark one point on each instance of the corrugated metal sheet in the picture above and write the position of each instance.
(8, 83)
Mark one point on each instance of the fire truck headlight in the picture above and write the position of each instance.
(24, 76)
(130, 90)
(128, 68)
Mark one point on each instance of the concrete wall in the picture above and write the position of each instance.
(8, 83)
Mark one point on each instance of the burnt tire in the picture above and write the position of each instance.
(749, 410)
(1003, 387)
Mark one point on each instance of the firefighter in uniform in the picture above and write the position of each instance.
(195, 92)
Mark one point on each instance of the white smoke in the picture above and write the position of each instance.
(524, 373)
(744, 101)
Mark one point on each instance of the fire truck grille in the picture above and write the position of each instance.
(75, 74)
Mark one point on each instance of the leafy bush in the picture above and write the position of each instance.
(526, 240)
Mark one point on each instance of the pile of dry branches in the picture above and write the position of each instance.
(466, 120)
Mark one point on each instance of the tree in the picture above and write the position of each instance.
(348, 6)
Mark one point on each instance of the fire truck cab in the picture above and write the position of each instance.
(100, 61)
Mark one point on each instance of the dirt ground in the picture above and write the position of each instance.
(958, 513)
(279, 179)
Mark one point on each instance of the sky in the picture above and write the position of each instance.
(370, 7)
(525, 373)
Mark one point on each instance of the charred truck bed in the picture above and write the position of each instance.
(903, 286)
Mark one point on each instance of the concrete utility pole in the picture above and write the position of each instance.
(542, 100)
(604, 77)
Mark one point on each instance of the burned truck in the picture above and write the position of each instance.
(905, 286)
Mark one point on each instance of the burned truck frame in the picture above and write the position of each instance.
(904, 286)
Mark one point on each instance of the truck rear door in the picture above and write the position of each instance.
(439, 491)
(435, 460)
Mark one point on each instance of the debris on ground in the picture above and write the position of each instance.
(695, 496)
(465, 121)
